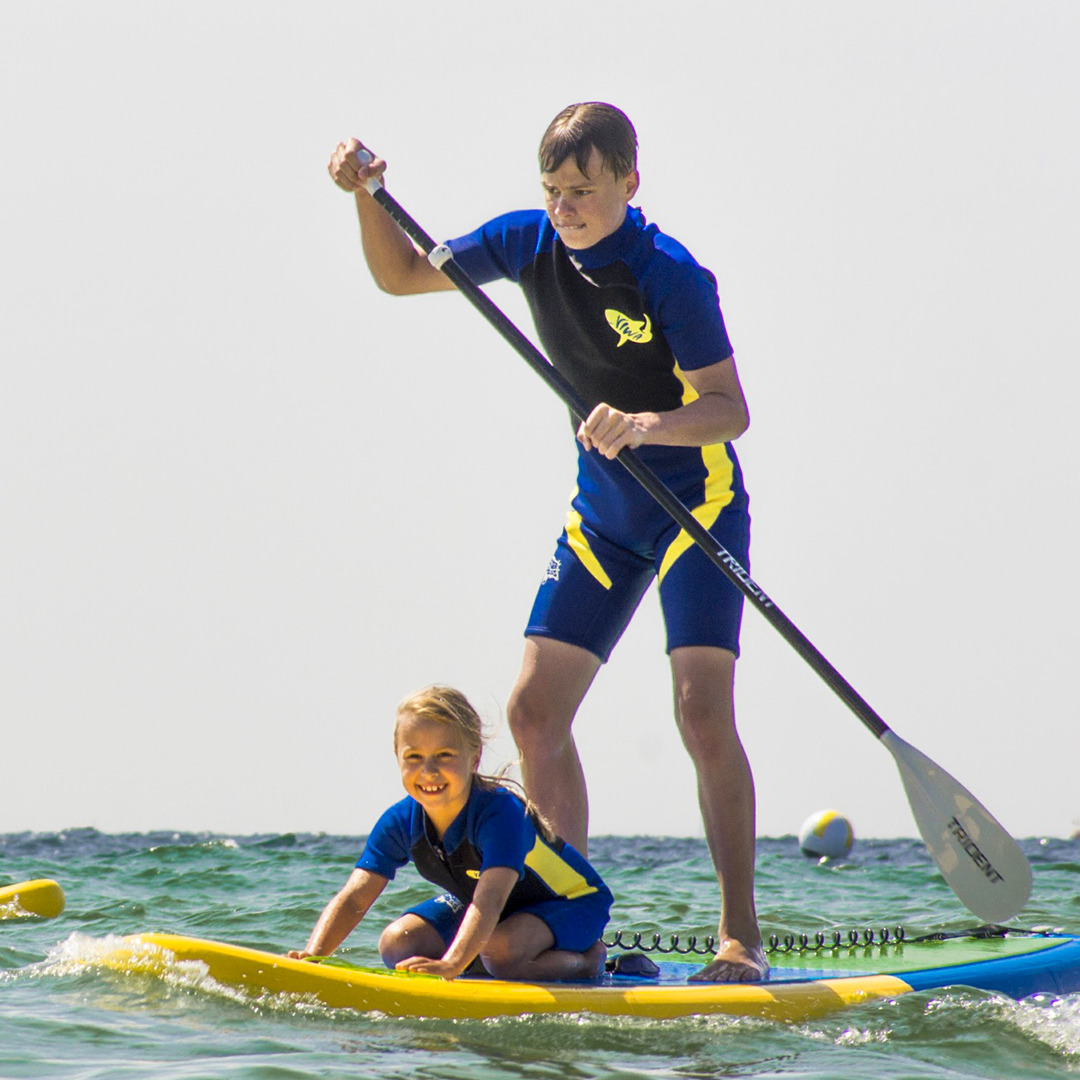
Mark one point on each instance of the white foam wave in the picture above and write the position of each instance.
(127, 955)
(131, 956)
(1054, 1021)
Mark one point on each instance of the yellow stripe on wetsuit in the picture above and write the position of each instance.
(719, 473)
(580, 547)
(561, 878)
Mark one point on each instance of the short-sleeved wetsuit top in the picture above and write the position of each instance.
(492, 830)
(623, 321)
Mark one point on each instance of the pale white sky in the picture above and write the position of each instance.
(247, 502)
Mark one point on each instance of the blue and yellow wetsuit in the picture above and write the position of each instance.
(622, 321)
(555, 882)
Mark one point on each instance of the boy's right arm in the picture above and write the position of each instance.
(341, 916)
(395, 264)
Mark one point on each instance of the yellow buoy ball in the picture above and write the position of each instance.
(41, 897)
(826, 833)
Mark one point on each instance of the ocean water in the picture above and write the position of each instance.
(61, 1018)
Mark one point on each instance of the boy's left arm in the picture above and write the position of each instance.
(717, 415)
(481, 918)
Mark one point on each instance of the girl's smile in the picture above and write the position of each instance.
(436, 767)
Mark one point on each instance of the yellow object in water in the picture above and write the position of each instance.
(40, 897)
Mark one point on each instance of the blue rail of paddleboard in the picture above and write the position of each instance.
(1056, 968)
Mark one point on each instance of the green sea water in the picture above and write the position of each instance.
(61, 1018)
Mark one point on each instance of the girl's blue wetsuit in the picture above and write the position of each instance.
(555, 882)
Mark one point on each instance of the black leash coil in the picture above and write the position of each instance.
(799, 943)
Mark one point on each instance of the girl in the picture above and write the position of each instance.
(524, 901)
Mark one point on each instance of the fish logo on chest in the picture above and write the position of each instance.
(638, 331)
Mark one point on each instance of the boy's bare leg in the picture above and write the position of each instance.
(704, 680)
(553, 681)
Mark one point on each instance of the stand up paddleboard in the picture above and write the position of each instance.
(40, 897)
(805, 982)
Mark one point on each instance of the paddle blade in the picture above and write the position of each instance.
(982, 863)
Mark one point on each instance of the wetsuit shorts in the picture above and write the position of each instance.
(576, 925)
(588, 599)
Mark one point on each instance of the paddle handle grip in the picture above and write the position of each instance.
(365, 156)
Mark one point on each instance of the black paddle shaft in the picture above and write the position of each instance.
(678, 510)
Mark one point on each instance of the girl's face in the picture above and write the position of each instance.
(436, 765)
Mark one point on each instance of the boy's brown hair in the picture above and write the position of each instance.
(580, 128)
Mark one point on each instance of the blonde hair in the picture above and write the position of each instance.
(448, 706)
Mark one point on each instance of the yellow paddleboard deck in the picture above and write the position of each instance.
(806, 986)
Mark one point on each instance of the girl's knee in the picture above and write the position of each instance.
(503, 966)
(391, 946)
(503, 956)
(409, 936)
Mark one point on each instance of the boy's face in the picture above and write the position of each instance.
(586, 208)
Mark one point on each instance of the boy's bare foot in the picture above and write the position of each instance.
(734, 962)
